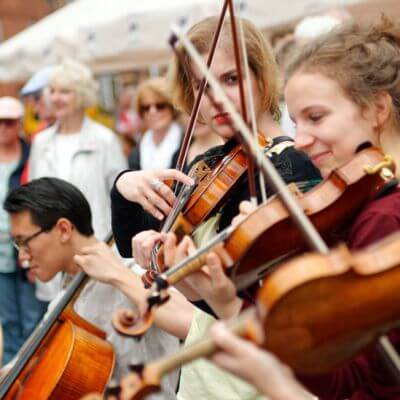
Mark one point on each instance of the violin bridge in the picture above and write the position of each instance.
(294, 189)
(199, 171)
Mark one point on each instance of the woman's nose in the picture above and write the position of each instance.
(303, 139)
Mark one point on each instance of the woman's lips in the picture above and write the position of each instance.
(318, 158)
(222, 119)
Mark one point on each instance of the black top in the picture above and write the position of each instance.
(129, 218)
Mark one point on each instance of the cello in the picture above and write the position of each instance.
(65, 357)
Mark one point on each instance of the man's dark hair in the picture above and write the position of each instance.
(48, 200)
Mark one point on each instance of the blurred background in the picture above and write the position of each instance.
(124, 42)
(80, 78)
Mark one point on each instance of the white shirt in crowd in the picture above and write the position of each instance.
(66, 146)
(159, 156)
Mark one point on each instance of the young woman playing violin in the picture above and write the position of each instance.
(342, 90)
(140, 199)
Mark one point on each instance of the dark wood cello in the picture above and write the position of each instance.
(300, 317)
(65, 358)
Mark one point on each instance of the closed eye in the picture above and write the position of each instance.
(315, 117)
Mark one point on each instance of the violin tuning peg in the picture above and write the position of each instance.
(112, 392)
(136, 368)
(173, 40)
(161, 282)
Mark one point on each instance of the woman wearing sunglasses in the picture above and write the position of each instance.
(163, 135)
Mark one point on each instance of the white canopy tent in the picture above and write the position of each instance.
(118, 35)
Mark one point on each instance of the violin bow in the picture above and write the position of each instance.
(251, 100)
(228, 5)
(308, 230)
(196, 106)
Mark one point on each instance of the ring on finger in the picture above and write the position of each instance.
(156, 184)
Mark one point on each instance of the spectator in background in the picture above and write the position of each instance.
(164, 135)
(77, 150)
(128, 124)
(20, 311)
(40, 113)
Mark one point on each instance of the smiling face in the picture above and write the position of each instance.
(44, 253)
(64, 100)
(329, 125)
(224, 69)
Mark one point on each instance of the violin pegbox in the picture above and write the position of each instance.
(140, 382)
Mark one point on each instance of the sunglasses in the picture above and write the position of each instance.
(8, 121)
(145, 108)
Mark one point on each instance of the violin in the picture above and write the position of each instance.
(65, 357)
(268, 235)
(315, 312)
(195, 204)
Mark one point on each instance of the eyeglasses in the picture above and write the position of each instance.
(145, 108)
(24, 242)
(8, 121)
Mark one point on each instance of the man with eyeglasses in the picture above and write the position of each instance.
(51, 225)
(19, 309)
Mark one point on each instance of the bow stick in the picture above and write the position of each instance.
(228, 4)
(251, 100)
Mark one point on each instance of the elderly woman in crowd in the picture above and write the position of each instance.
(164, 135)
(77, 149)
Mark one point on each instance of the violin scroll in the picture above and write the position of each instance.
(129, 323)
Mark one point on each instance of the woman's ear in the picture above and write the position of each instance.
(383, 108)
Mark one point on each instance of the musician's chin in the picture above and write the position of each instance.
(225, 131)
(38, 273)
